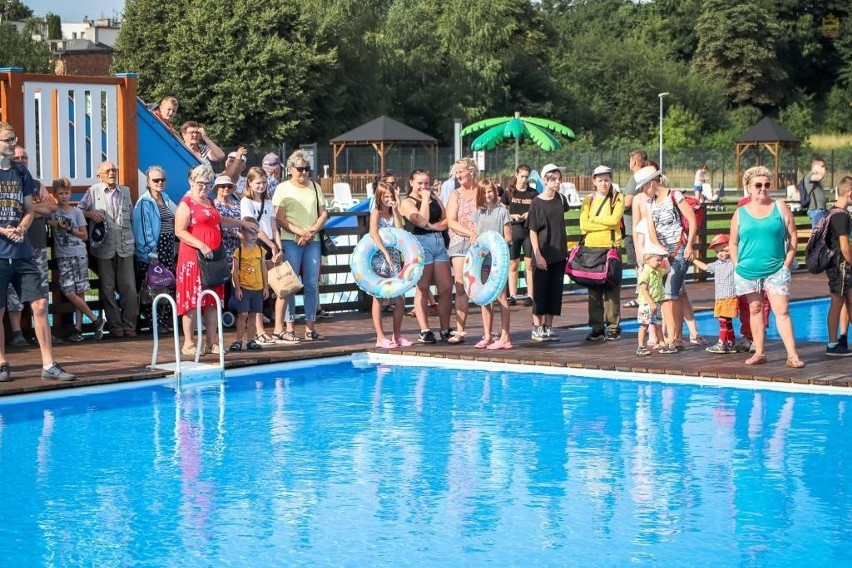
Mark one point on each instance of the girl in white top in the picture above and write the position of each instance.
(257, 204)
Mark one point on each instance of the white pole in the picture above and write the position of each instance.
(457, 139)
(661, 95)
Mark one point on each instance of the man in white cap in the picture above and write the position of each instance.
(546, 223)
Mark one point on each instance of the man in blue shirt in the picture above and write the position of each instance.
(16, 255)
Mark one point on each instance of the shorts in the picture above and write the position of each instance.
(646, 316)
(673, 285)
(24, 275)
(459, 248)
(777, 283)
(13, 302)
(725, 308)
(251, 303)
(839, 278)
(73, 274)
(433, 246)
(520, 242)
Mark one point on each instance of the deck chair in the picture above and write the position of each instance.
(342, 196)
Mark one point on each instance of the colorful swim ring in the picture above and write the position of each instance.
(495, 247)
(361, 263)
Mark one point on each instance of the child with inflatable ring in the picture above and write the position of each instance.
(491, 238)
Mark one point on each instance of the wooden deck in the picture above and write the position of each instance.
(121, 360)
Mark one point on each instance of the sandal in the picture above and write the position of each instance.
(483, 344)
(253, 345)
(236, 346)
(758, 360)
(497, 345)
(265, 339)
(795, 363)
(631, 304)
(287, 337)
(697, 340)
(403, 342)
(312, 335)
(386, 344)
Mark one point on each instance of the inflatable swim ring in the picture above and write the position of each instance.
(483, 293)
(361, 263)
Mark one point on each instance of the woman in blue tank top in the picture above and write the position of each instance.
(763, 246)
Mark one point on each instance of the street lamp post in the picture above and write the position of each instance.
(661, 95)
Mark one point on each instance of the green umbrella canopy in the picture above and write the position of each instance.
(517, 127)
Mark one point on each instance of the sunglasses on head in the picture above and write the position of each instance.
(758, 185)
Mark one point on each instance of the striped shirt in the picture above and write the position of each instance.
(667, 220)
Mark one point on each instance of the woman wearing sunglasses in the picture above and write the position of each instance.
(763, 246)
(154, 233)
(301, 215)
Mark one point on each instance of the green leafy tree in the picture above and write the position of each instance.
(737, 45)
(19, 49)
(798, 118)
(249, 71)
(14, 10)
(54, 26)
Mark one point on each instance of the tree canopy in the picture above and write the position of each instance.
(268, 72)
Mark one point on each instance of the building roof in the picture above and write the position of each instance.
(383, 129)
(77, 45)
(767, 130)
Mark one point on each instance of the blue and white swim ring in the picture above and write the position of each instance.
(387, 286)
(495, 247)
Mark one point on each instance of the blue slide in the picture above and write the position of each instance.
(159, 147)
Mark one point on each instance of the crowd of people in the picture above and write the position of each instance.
(275, 213)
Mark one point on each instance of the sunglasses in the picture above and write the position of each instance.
(302, 169)
(758, 185)
(158, 180)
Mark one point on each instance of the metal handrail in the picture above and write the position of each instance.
(171, 301)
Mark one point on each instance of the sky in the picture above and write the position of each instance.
(74, 11)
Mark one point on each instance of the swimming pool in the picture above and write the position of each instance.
(378, 465)
(809, 322)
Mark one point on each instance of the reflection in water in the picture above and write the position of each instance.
(390, 466)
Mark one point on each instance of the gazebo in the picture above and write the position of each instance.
(382, 133)
(771, 136)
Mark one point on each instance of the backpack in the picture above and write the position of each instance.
(818, 253)
(804, 194)
(697, 208)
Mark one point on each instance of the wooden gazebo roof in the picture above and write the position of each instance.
(382, 133)
(771, 136)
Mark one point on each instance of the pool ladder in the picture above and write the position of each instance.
(189, 371)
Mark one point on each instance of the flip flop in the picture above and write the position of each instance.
(631, 304)
(498, 346)
(483, 344)
(795, 363)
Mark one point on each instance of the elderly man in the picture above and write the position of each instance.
(109, 203)
(272, 168)
(17, 189)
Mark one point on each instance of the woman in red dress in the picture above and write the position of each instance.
(198, 225)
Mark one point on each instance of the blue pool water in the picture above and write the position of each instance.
(390, 466)
(809, 322)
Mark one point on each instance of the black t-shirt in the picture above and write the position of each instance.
(839, 224)
(547, 217)
(519, 202)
